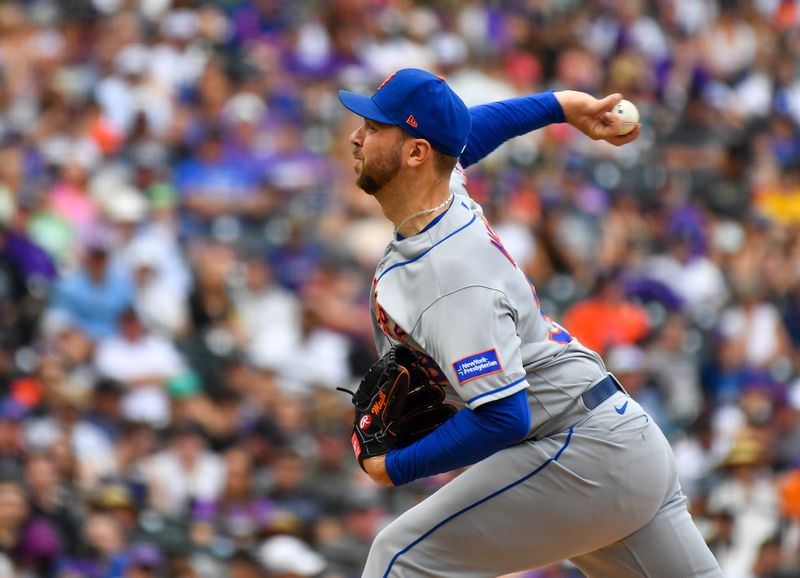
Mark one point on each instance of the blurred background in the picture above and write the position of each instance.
(185, 264)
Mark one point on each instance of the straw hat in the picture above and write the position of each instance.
(745, 451)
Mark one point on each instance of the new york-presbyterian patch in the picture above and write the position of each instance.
(477, 365)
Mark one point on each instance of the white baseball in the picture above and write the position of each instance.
(628, 114)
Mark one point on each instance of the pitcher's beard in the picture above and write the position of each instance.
(379, 171)
(371, 183)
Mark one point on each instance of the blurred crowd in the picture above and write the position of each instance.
(185, 264)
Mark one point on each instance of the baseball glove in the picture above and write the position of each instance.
(396, 404)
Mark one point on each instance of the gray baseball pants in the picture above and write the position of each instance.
(603, 494)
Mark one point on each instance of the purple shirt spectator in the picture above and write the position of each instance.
(30, 259)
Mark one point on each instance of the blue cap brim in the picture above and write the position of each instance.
(363, 105)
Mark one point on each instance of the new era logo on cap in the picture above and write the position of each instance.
(420, 103)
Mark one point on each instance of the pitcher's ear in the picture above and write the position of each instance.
(419, 151)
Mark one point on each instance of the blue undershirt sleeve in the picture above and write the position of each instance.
(496, 122)
(466, 438)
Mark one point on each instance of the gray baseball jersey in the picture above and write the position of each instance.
(595, 486)
(431, 291)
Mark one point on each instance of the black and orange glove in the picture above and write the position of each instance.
(396, 404)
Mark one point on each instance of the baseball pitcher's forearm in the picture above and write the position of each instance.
(496, 122)
(466, 438)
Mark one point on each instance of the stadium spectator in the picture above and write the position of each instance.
(184, 472)
(93, 296)
(607, 318)
(142, 363)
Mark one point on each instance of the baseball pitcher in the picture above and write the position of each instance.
(565, 465)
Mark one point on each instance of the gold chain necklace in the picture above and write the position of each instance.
(425, 212)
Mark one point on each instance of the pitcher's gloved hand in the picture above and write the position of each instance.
(396, 404)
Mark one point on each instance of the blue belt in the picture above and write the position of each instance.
(601, 391)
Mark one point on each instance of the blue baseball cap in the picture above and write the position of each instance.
(420, 103)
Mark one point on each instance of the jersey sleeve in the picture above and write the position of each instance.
(471, 334)
(496, 122)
